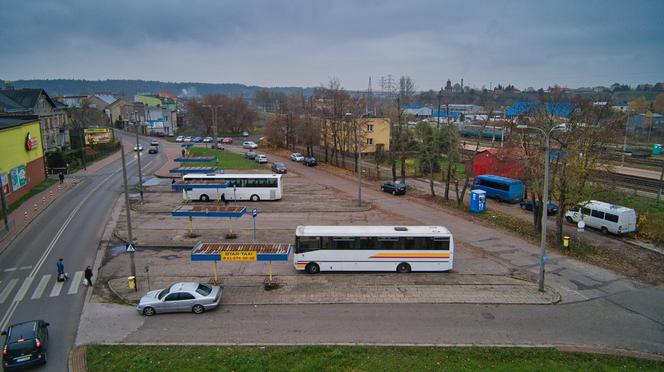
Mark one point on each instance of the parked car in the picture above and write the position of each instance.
(139, 147)
(395, 187)
(187, 139)
(197, 139)
(180, 297)
(250, 155)
(261, 158)
(26, 344)
(310, 161)
(279, 167)
(296, 156)
(154, 142)
(249, 145)
(208, 139)
(179, 139)
(220, 147)
(153, 149)
(551, 209)
(227, 140)
(245, 134)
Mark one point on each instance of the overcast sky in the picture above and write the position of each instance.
(305, 43)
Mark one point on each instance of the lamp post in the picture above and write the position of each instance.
(138, 157)
(132, 264)
(214, 108)
(545, 197)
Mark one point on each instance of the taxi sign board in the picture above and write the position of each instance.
(238, 256)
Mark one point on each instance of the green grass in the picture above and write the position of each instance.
(651, 213)
(225, 159)
(510, 223)
(353, 358)
(45, 184)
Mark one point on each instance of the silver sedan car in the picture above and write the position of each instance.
(180, 297)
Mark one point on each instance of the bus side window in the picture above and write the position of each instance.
(611, 217)
(442, 244)
(387, 243)
(597, 214)
(343, 243)
(585, 211)
(306, 244)
(365, 243)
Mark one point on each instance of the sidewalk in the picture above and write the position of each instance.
(172, 151)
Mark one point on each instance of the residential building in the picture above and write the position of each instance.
(375, 136)
(21, 155)
(52, 114)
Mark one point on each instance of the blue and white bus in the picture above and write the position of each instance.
(500, 188)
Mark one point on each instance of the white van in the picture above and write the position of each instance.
(604, 217)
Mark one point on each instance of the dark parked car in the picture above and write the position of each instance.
(394, 187)
(279, 167)
(197, 139)
(25, 344)
(551, 210)
(250, 155)
(310, 161)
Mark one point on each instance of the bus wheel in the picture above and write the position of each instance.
(312, 268)
(205, 198)
(403, 268)
(255, 198)
(569, 219)
(605, 230)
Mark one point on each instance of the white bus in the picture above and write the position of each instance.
(252, 187)
(373, 248)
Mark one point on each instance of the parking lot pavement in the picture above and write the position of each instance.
(361, 288)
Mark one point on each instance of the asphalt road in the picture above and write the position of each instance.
(70, 228)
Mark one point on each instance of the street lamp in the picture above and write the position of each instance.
(138, 157)
(214, 120)
(545, 198)
(349, 116)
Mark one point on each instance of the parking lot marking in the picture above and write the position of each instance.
(5, 292)
(23, 289)
(75, 283)
(10, 269)
(56, 288)
(25, 267)
(41, 286)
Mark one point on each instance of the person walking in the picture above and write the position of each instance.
(184, 153)
(61, 176)
(223, 199)
(62, 276)
(88, 275)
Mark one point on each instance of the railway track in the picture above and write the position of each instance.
(627, 181)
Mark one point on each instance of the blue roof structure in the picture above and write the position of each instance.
(561, 109)
(185, 170)
(443, 114)
(196, 159)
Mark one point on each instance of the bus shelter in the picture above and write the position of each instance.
(208, 211)
(234, 252)
(196, 159)
(186, 170)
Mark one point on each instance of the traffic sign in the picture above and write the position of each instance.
(130, 248)
(254, 213)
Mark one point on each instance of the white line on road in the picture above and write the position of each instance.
(41, 286)
(25, 267)
(57, 287)
(7, 290)
(75, 283)
(10, 269)
(23, 289)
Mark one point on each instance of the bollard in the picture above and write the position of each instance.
(25, 216)
(50, 193)
(44, 200)
(59, 187)
(131, 282)
(566, 241)
(35, 207)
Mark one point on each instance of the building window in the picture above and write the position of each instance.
(369, 141)
(370, 128)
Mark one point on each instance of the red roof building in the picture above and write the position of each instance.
(504, 162)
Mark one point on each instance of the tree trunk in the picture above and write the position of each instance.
(433, 192)
(447, 179)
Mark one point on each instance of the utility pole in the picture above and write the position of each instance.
(126, 193)
(359, 165)
(138, 157)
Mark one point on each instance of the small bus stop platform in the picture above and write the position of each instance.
(186, 170)
(208, 211)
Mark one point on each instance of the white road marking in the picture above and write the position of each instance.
(56, 288)
(25, 267)
(10, 269)
(23, 289)
(75, 283)
(41, 286)
(7, 290)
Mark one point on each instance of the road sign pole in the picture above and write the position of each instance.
(126, 192)
(254, 213)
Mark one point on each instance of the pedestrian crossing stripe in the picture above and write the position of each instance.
(38, 290)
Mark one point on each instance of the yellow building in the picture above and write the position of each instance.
(375, 135)
(21, 155)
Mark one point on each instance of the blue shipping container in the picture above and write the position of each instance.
(500, 188)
